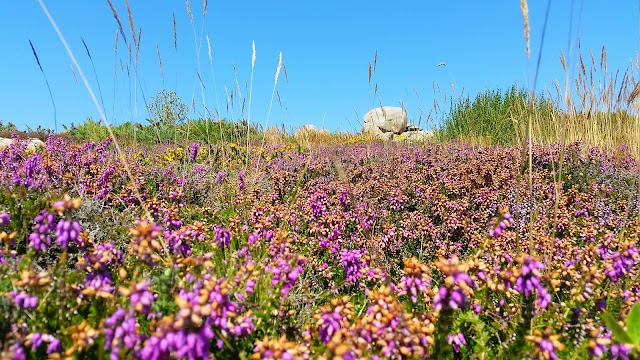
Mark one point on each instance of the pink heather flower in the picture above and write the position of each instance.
(456, 341)
(507, 221)
(251, 285)
(415, 281)
(352, 263)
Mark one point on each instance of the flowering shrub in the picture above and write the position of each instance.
(352, 252)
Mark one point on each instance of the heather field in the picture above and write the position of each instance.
(346, 251)
(508, 230)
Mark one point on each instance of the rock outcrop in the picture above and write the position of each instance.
(389, 123)
(388, 119)
(32, 143)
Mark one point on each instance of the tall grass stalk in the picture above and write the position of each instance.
(95, 73)
(275, 83)
(253, 64)
(55, 116)
(125, 163)
(215, 85)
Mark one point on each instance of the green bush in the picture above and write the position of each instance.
(491, 116)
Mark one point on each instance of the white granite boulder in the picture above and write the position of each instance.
(387, 119)
(32, 143)
(4, 142)
(417, 136)
(371, 129)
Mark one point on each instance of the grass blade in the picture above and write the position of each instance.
(616, 329)
(55, 116)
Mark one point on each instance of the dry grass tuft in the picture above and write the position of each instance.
(525, 17)
(189, 11)
(115, 15)
(133, 28)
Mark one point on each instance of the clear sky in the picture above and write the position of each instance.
(326, 47)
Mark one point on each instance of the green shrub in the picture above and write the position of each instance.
(491, 116)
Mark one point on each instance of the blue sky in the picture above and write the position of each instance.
(326, 47)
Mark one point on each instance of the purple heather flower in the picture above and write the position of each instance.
(66, 231)
(179, 240)
(194, 149)
(507, 221)
(476, 308)
(251, 285)
(222, 236)
(285, 275)
(601, 305)
(415, 280)
(456, 341)
(352, 263)
(546, 347)
(45, 224)
(328, 324)
(141, 298)
(220, 177)
(4, 219)
(241, 183)
(120, 328)
(317, 205)
(24, 300)
(449, 299)
(99, 282)
(620, 263)
(37, 339)
(529, 280)
(620, 351)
